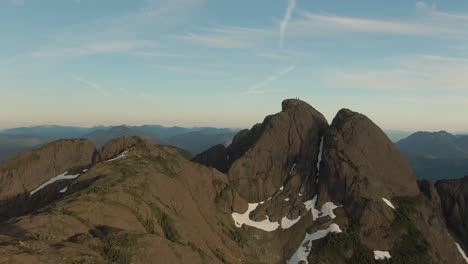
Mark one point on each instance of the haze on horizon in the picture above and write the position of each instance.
(230, 63)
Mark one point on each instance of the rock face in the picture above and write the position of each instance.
(117, 146)
(282, 151)
(362, 170)
(360, 161)
(25, 172)
(454, 199)
(215, 157)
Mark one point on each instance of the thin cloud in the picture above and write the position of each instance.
(157, 54)
(287, 17)
(430, 23)
(408, 73)
(229, 37)
(18, 2)
(96, 48)
(92, 85)
(189, 70)
(258, 87)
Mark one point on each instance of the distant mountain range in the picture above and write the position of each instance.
(432, 155)
(194, 140)
(436, 155)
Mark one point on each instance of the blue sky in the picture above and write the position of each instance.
(229, 63)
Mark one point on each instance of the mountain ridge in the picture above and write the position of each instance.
(296, 190)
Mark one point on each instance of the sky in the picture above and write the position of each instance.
(229, 63)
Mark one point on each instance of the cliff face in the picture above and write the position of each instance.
(281, 151)
(454, 199)
(360, 161)
(27, 171)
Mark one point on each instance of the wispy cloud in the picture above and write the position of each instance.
(285, 21)
(18, 2)
(96, 48)
(407, 73)
(229, 37)
(189, 70)
(258, 87)
(99, 89)
(428, 23)
(157, 54)
(445, 100)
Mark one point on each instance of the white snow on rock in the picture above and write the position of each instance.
(62, 176)
(282, 188)
(388, 203)
(287, 223)
(327, 210)
(64, 190)
(286, 199)
(461, 252)
(310, 205)
(381, 255)
(301, 254)
(122, 155)
(85, 170)
(292, 168)
(244, 219)
(320, 155)
(300, 194)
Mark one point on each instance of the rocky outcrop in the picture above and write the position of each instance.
(216, 157)
(454, 199)
(359, 161)
(116, 146)
(363, 171)
(27, 171)
(282, 151)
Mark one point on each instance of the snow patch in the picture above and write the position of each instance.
(122, 155)
(310, 205)
(62, 176)
(85, 170)
(300, 194)
(286, 199)
(287, 223)
(327, 210)
(292, 168)
(282, 188)
(64, 190)
(301, 254)
(320, 155)
(461, 252)
(388, 203)
(381, 255)
(265, 225)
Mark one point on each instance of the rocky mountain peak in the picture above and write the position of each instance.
(359, 160)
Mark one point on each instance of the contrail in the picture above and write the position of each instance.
(287, 17)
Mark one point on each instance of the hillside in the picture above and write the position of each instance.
(436, 155)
